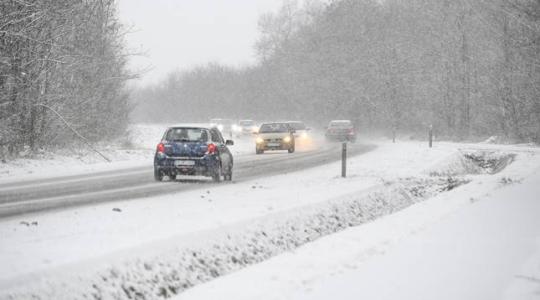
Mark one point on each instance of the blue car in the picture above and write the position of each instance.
(193, 149)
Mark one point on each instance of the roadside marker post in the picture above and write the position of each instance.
(430, 134)
(344, 159)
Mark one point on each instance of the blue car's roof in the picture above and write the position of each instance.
(193, 125)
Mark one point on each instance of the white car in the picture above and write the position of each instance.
(225, 126)
(301, 131)
(247, 127)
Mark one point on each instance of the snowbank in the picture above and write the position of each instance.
(478, 241)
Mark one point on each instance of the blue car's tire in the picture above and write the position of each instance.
(158, 176)
(216, 177)
(228, 176)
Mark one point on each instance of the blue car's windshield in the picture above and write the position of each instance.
(187, 135)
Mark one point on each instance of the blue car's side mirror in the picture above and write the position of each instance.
(229, 142)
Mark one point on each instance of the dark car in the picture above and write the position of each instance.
(225, 126)
(193, 150)
(300, 129)
(340, 130)
(274, 136)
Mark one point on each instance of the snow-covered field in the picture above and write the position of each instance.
(458, 221)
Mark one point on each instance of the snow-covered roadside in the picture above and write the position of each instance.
(479, 241)
(486, 250)
(83, 160)
(123, 240)
(139, 153)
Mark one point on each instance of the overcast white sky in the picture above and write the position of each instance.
(179, 34)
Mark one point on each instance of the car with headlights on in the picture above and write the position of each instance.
(275, 136)
(193, 149)
(226, 126)
(340, 130)
(300, 129)
(247, 127)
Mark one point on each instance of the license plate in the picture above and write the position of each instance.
(274, 144)
(184, 163)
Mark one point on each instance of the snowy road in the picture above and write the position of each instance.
(51, 193)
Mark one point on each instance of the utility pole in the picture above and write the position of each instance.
(430, 134)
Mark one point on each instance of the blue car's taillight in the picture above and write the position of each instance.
(211, 149)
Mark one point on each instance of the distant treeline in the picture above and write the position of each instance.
(67, 55)
(471, 68)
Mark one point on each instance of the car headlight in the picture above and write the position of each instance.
(259, 140)
(236, 128)
(220, 127)
(287, 139)
(304, 135)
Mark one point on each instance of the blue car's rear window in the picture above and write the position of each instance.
(187, 135)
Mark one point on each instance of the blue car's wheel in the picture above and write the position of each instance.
(217, 174)
(228, 176)
(158, 176)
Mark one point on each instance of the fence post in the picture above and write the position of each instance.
(344, 159)
(430, 136)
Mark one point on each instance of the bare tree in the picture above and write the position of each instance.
(65, 54)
